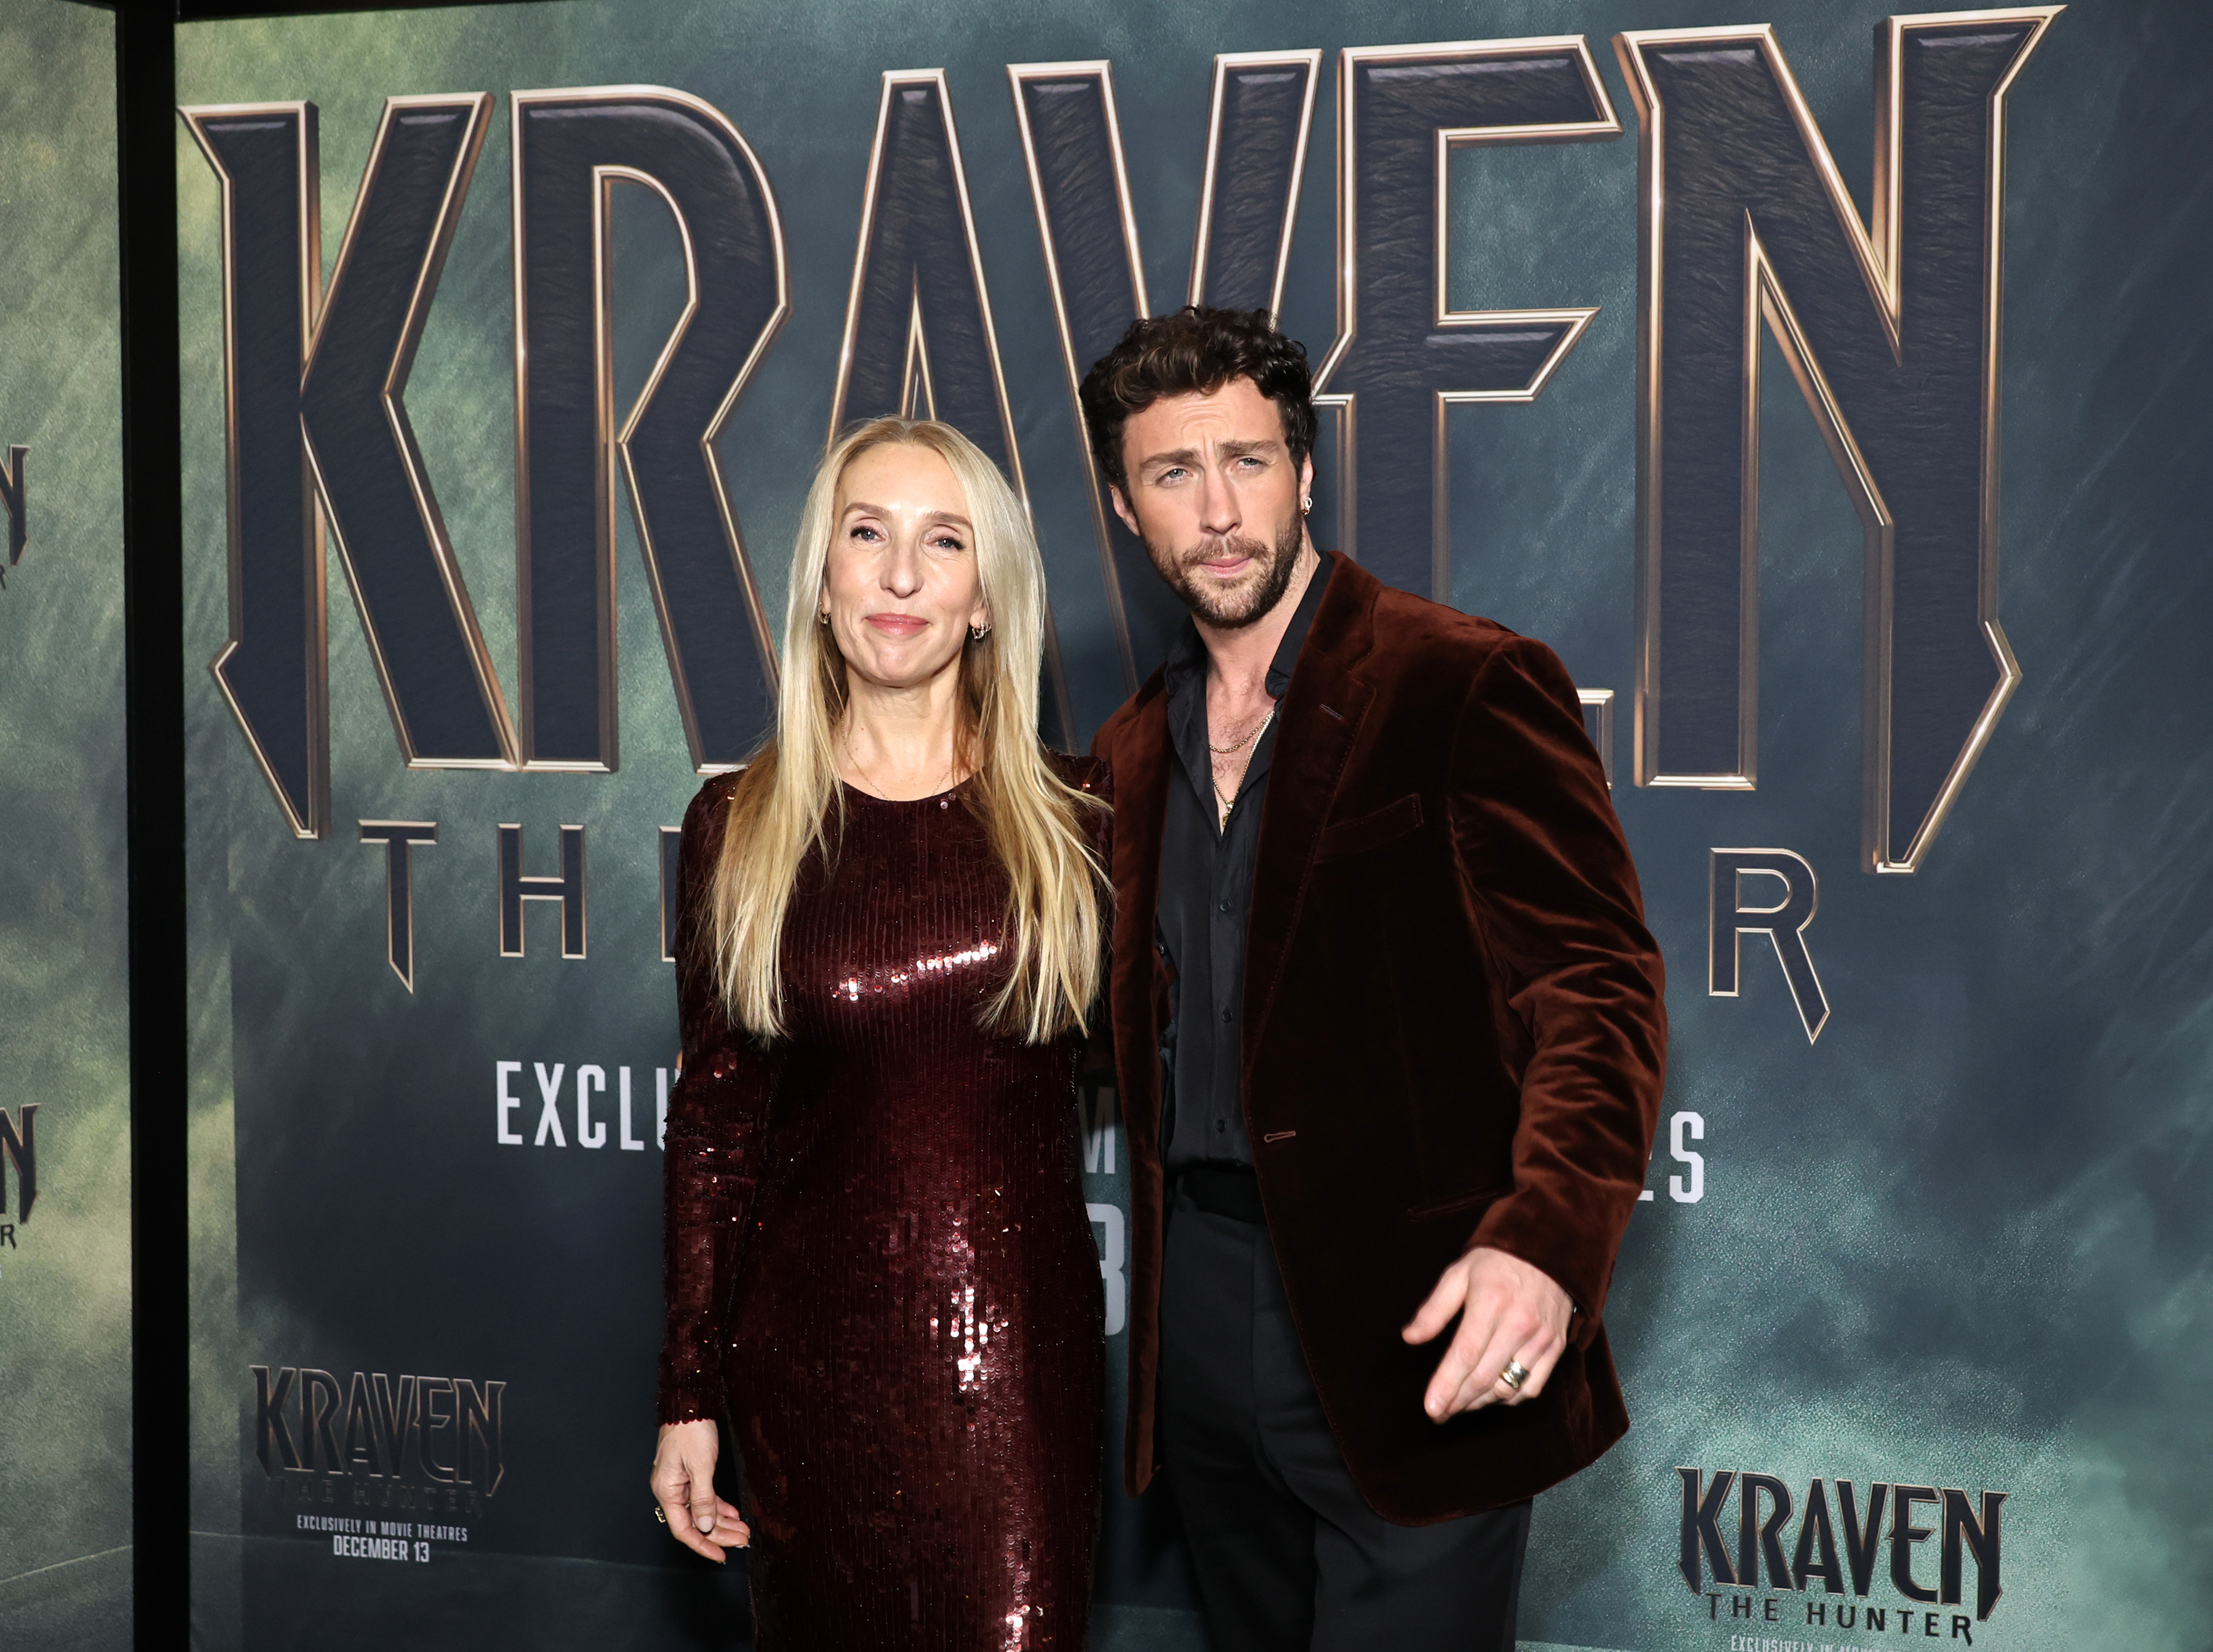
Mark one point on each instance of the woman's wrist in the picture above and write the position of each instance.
(683, 1405)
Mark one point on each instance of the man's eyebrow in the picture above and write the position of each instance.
(1192, 456)
(949, 517)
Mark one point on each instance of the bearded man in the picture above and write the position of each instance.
(1389, 1033)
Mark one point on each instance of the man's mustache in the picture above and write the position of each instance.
(1212, 550)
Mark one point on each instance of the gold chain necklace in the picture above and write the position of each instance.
(861, 769)
(1237, 746)
(1229, 802)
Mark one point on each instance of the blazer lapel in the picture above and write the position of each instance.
(1322, 714)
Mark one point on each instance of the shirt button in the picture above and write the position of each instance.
(1222, 1127)
(1225, 1015)
(1225, 906)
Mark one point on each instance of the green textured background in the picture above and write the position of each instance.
(65, 1289)
(1963, 1240)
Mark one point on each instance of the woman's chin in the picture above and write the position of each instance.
(897, 671)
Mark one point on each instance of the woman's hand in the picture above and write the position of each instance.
(684, 1484)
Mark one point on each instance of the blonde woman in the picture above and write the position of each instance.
(877, 1251)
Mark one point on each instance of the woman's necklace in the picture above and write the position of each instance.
(862, 769)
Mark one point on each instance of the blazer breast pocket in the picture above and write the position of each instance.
(1372, 831)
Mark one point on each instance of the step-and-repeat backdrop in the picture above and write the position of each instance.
(64, 999)
(1826, 388)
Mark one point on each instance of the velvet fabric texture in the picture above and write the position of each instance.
(1453, 1030)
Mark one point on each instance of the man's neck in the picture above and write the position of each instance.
(1238, 660)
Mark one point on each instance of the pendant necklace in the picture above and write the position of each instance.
(1229, 802)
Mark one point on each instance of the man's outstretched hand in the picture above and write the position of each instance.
(1509, 1311)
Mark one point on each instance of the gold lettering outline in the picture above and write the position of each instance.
(1019, 75)
(614, 443)
(894, 79)
(479, 106)
(1225, 62)
(316, 820)
(1576, 320)
(1876, 249)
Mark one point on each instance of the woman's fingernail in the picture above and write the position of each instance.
(706, 1522)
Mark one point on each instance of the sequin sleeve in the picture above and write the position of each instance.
(717, 1118)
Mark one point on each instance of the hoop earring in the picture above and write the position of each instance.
(1305, 506)
(822, 616)
(978, 633)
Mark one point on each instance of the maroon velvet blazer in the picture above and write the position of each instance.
(1453, 1031)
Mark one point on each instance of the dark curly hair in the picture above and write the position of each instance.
(1195, 350)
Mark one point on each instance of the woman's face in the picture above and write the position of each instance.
(901, 589)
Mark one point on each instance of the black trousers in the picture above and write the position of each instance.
(1289, 1556)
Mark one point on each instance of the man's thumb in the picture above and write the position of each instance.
(1432, 1317)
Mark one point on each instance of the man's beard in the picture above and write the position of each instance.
(1240, 605)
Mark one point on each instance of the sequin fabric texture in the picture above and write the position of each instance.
(877, 1248)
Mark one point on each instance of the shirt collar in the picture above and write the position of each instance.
(1294, 634)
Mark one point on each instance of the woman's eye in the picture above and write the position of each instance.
(861, 531)
(947, 542)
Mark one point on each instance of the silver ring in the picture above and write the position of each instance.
(1514, 1375)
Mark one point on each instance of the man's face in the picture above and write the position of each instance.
(1214, 496)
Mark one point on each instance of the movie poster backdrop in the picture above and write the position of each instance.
(66, 1539)
(1840, 444)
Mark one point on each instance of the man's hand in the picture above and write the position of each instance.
(684, 1485)
(1509, 1311)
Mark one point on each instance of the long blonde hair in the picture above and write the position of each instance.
(785, 801)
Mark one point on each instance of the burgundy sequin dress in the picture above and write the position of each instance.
(878, 1252)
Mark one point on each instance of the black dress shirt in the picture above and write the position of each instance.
(1206, 887)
